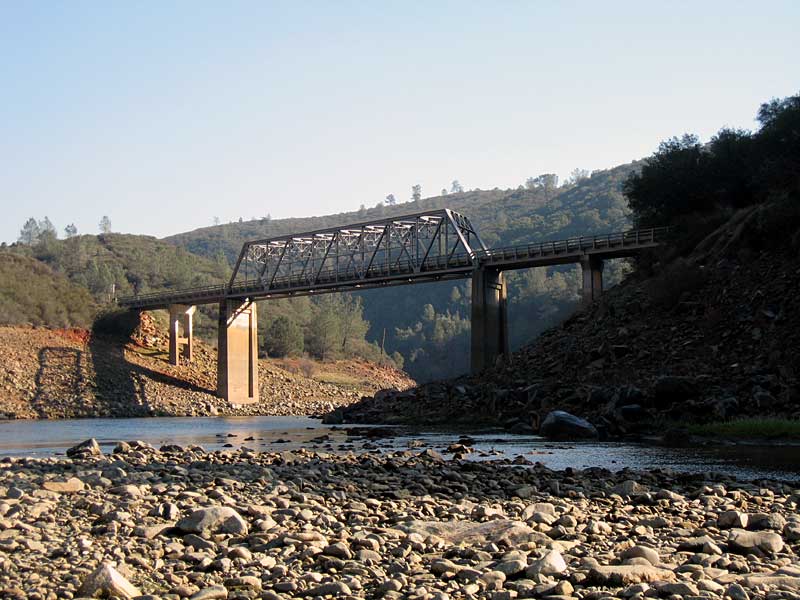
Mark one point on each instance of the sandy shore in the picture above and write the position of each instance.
(181, 522)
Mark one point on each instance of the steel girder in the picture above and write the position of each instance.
(409, 244)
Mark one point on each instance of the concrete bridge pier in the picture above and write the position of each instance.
(592, 271)
(489, 318)
(180, 317)
(237, 352)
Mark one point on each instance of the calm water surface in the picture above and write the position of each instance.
(43, 438)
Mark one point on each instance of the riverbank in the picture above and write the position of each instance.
(58, 373)
(180, 522)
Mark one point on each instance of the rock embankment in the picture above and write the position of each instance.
(709, 337)
(52, 374)
(183, 523)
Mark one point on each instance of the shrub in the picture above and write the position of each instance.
(681, 277)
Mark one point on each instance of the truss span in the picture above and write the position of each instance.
(432, 242)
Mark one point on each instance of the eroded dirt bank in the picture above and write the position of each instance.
(50, 373)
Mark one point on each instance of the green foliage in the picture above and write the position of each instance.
(30, 292)
(337, 328)
(284, 338)
(750, 428)
(735, 169)
(127, 263)
(675, 280)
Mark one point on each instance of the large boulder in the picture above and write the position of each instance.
(755, 542)
(106, 581)
(561, 425)
(214, 519)
(88, 448)
(476, 534)
(673, 389)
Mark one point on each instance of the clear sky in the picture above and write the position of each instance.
(163, 115)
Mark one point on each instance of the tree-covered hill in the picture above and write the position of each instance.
(74, 278)
(429, 324)
(123, 264)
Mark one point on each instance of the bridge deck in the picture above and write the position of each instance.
(269, 281)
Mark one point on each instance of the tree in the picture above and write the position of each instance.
(215, 220)
(444, 192)
(105, 225)
(672, 182)
(354, 327)
(578, 175)
(70, 230)
(416, 192)
(778, 142)
(456, 187)
(284, 338)
(47, 235)
(546, 182)
(29, 234)
(391, 200)
(47, 228)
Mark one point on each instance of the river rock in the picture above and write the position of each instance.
(88, 448)
(472, 533)
(649, 554)
(626, 574)
(561, 425)
(107, 581)
(732, 519)
(70, 486)
(551, 563)
(755, 541)
(773, 521)
(215, 592)
(213, 519)
(334, 588)
(672, 389)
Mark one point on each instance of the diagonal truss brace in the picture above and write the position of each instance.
(408, 244)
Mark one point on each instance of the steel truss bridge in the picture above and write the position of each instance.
(424, 247)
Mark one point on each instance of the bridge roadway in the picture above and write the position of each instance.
(419, 248)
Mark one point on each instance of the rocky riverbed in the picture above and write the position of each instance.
(181, 522)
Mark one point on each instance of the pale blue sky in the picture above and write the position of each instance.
(164, 115)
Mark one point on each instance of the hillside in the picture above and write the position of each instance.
(709, 337)
(32, 293)
(429, 324)
(69, 373)
(124, 264)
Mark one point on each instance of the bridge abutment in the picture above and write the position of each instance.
(592, 275)
(237, 352)
(489, 336)
(180, 317)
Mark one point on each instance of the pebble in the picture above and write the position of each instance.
(180, 522)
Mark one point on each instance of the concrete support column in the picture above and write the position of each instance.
(592, 271)
(180, 317)
(489, 319)
(237, 352)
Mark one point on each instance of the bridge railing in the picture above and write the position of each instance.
(636, 237)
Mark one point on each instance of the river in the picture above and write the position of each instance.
(47, 438)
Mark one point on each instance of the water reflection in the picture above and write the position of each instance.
(42, 438)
